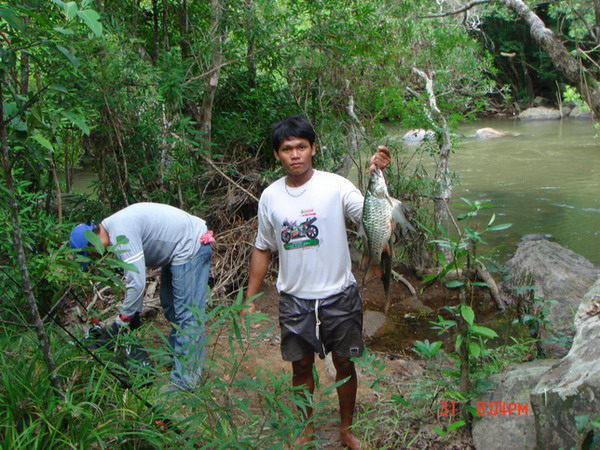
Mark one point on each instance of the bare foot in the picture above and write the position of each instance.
(349, 440)
(250, 307)
(308, 435)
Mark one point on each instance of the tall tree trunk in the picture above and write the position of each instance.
(356, 134)
(185, 30)
(165, 26)
(571, 68)
(527, 79)
(214, 73)
(251, 45)
(56, 184)
(68, 167)
(155, 31)
(596, 27)
(18, 243)
(441, 211)
(24, 88)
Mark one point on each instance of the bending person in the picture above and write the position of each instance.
(162, 236)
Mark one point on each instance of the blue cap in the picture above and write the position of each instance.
(77, 240)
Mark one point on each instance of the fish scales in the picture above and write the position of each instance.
(377, 217)
(381, 213)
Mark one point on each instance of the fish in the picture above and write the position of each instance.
(381, 214)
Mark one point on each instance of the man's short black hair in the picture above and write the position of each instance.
(293, 126)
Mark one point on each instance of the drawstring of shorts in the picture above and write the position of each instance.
(317, 320)
(318, 328)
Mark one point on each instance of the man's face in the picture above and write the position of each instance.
(295, 155)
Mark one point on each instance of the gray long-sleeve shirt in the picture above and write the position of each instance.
(159, 235)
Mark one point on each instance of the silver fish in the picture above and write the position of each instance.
(381, 214)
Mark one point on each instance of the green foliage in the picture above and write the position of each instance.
(462, 250)
(533, 311)
(427, 350)
(458, 256)
(233, 407)
(571, 95)
(453, 426)
(93, 411)
(473, 337)
(372, 365)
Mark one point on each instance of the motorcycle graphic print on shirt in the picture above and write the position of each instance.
(300, 233)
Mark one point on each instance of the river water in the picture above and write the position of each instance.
(544, 178)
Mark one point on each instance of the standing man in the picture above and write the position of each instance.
(302, 216)
(162, 236)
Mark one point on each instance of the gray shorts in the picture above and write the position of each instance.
(322, 325)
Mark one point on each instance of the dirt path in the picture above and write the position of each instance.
(375, 383)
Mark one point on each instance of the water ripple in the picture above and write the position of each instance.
(564, 205)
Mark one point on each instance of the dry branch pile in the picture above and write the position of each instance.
(235, 187)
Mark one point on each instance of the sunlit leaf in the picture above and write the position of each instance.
(467, 313)
(438, 431)
(458, 342)
(500, 227)
(43, 142)
(454, 284)
(483, 331)
(78, 121)
(94, 239)
(429, 278)
(474, 349)
(90, 17)
(455, 425)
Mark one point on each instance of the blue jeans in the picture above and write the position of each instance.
(183, 298)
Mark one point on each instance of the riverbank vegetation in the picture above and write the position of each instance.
(171, 101)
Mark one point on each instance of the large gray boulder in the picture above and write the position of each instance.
(563, 395)
(517, 428)
(559, 275)
(567, 397)
(540, 113)
(489, 133)
(417, 135)
(578, 113)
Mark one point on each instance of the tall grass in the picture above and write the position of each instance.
(237, 405)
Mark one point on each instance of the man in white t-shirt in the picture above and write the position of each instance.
(302, 216)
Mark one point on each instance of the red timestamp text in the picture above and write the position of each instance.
(487, 408)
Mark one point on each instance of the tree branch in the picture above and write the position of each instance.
(458, 11)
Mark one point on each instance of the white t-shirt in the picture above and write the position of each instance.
(306, 225)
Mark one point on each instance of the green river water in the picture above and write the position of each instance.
(544, 179)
